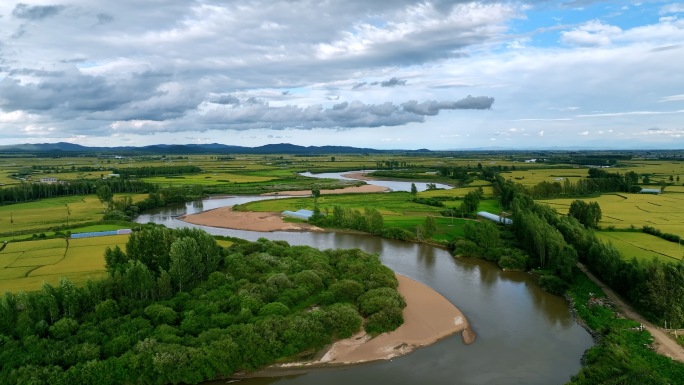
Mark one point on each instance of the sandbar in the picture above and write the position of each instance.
(366, 188)
(428, 318)
(226, 218)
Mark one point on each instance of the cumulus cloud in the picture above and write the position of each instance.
(672, 8)
(593, 33)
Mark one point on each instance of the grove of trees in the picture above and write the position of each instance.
(176, 307)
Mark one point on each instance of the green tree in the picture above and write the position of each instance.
(184, 257)
(588, 214)
(430, 226)
(484, 234)
(414, 189)
(316, 192)
(104, 194)
(471, 201)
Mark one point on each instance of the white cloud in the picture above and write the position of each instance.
(672, 98)
(592, 33)
(672, 8)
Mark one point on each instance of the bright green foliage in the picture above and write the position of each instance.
(622, 354)
(588, 214)
(264, 301)
(485, 234)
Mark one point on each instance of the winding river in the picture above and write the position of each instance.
(524, 335)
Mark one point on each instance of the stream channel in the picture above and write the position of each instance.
(524, 335)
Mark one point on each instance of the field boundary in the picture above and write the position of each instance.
(639, 247)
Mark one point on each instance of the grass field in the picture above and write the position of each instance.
(395, 207)
(534, 176)
(215, 178)
(664, 212)
(26, 265)
(52, 212)
(643, 246)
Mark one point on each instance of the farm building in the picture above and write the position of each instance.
(495, 218)
(299, 214)
(48, 180)
(650, 191)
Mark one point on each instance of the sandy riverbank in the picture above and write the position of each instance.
(428, 318)
(367, 188)
(226, 218)
(357, 175)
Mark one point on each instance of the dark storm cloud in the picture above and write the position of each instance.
(36, 12)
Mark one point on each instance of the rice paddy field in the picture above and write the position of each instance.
(643, 246)
(533, 176)
(52, 212)
(664, 212)
(26, 265)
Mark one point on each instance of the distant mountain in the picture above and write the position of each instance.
(187, 149)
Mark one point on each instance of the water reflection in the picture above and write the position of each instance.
(525, 336)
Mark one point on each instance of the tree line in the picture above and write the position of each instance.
(148, 171)
(176, 307)
(556, 242)
(27, 192)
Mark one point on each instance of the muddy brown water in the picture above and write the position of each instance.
(524, 335)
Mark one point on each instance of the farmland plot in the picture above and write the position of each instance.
(665, 212)
(643, 246)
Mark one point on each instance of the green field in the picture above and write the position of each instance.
(255, 174)
(215, 178)
(665, 212)
(26, 265)
(643, 246)
(52, 212)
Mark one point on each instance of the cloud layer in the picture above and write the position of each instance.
(400, 71)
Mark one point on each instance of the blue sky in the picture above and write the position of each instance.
(402, 74)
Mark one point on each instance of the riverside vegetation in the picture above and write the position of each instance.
(540, 239)
(176, 307)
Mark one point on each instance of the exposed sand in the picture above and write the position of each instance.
(367, 188)
(357, 175)
(428, 317)
(225, 217)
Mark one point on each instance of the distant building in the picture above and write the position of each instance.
(48, 180)
(495, 218)
(113, 175)
(655, 191)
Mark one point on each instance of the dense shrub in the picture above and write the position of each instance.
(553, 284)
(398, 233)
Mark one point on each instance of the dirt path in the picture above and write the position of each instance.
(662, 341)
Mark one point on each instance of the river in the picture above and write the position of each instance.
(524, 335)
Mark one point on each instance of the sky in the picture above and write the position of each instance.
(400, 74)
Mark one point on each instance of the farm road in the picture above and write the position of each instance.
(663, 343)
